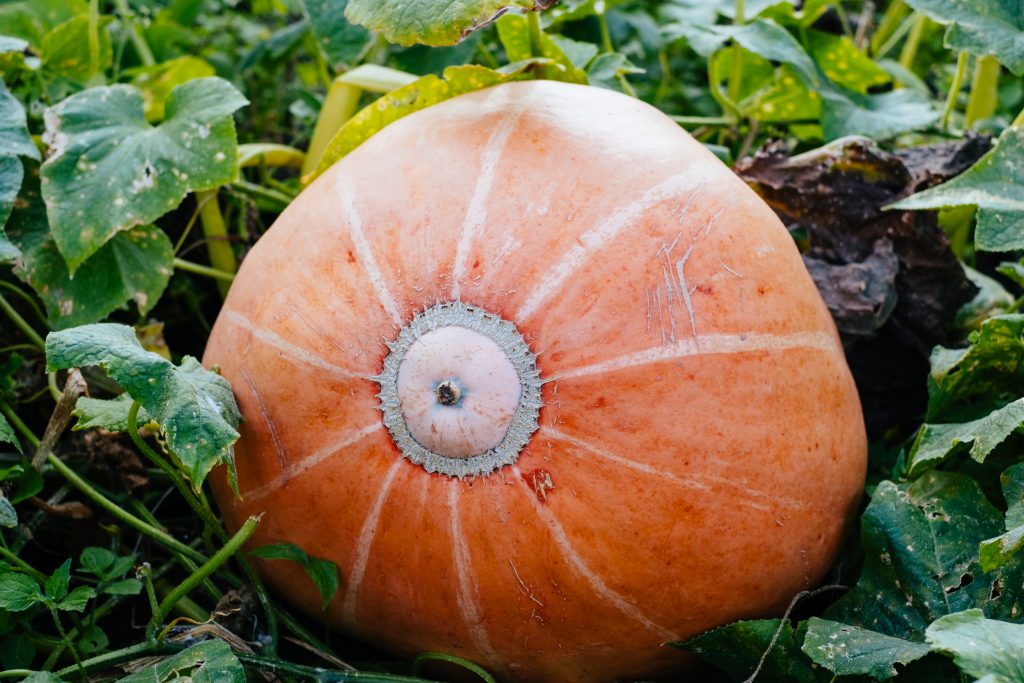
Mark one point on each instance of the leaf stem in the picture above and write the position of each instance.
(339, 105)
(64, 635)
(210, 566)
(606, 35)
(736, 66)
(984, 91)
(27, 298)
(94, 39)
(189, 266)
(116, 657)
(22, 324)
(897, 35)
(222, 257)
(536, 34)
(954, 89)
(261, 192)
(909, 51)
(890, 22)
(25, 566)
(311, 673)
(138, 42)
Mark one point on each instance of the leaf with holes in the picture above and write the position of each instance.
(432, 22)
(987, 649)
(110, 170)
(194, 407)
(852, 651)
(981, 27)
(208, 662)
(995, 184)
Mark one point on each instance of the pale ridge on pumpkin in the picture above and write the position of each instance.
(467, 593)
(689, 481)
(287, 348)
(309, 461)
(362, 247)
(363, 543)
(595, 581)
(600, 235)
(476, 211)
(707, 345)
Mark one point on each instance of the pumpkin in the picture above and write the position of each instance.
(547, 382)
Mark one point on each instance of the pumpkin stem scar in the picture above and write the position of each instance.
(460, 391)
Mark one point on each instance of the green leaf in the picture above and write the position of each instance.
(987, 649)
(16, 652)
(981, 27)
(420, 94)
(989, 372)
(341, 41)
(324, 573)
(77, 599)
(997, 552)
(66, 58)
(920, 544)
(995, 184)
(11, 175)
(849, 650)
(937, 442)
(431, 22)
(844, 63)
(18, 592)
(158, 81)
(96, 560)
(123, 587)
(738, 647)
(7, 434)
(14, 136)
(8, 515)
(514, 33)
(110, 414)
(195, 407)
(32, 19)
(57, 585)
(605, 70)
(207, 662)
(110, 170)
(92, 640)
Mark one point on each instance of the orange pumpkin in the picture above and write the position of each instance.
(547, 382)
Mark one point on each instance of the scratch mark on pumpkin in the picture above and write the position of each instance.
(363, 546)
(647, 295)
(282, 459)
(476, 212)
(362, 247)
(727, 268)
(597, 237)
(712, 344)
(287, 348)
(523, 588)
(595, 581)
(467, 595)
(308, 462)
(702, 482)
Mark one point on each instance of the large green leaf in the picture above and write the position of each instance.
(987, 649)
(7, 434)
(194, 407)
(110, 414)
(989, 373)
(158, 81)
(341, 41)
(14, 141)
(323, 573)
(110, 170)
(31, 20)
(849, 650)
(66, 64)
(11, 175)
(208, 662)
(996, 552)
(737, 649)
(995, 184)
(420, 94)
(431, 22)
(133, 266)
(937, 442)
(18, 592)
(981, 27)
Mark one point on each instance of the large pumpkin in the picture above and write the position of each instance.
(547, 382)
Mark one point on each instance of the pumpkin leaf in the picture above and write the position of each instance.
(937, 442)
(995, 184)
(987, 649)
(988, 373)
(981, 27)
(996, 552)
(851, 651)
(324, 573)
(7, 434)
(340, 40)
(737, 649)
(14, 141)
(135, 265)
(432, 22)
(158, 81)
(110, 170)
(110, 414)
(194, 407)
(32, 19)
(420, 94)
(514, 33)
(211, 661)
(66, 57)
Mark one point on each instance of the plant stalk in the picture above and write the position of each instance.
(222, 256)
(198, 269)
(138, 42)
(891, 20)
(954, 89)
(735, 87)
(909, 52)
(21, 324)
(536, 34)
(984, 91)
(341, 103)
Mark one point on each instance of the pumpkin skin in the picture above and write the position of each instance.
(700, 449)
